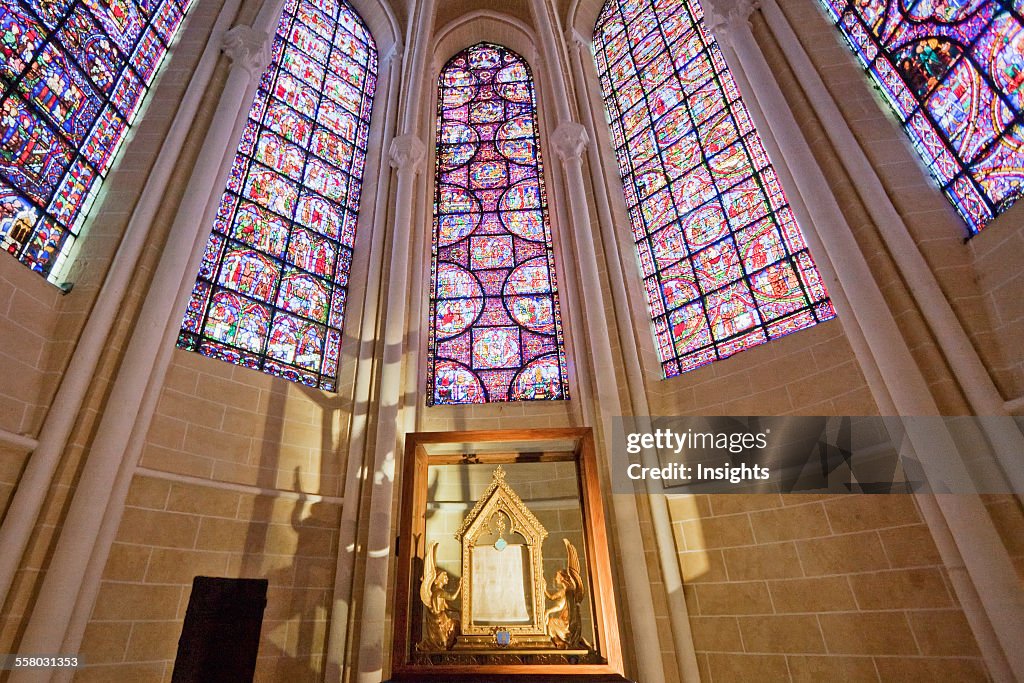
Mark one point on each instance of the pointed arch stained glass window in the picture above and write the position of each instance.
(73, 74)
(953, 72)
(271, 288)
(724, 263)
(495, 332)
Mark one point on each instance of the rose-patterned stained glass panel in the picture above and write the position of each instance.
(724, 264)
(495, 328)
(73, 75)
(953, 72)
(272, 285)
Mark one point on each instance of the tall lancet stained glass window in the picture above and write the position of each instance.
(495, 332)
(724, 263)
(953, 71)
(271, 288)
(73, 74)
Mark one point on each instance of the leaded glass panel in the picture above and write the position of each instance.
(724, 263)
(495, 330)
(73, 75)
(953, 73)
(272, 285)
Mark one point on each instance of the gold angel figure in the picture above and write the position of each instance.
(563, 620)
(440, 622)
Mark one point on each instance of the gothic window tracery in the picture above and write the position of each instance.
(495, 328)
(953, 73)
(724, 263)
(73, 75)
(272, 286)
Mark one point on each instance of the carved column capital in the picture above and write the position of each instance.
(407, 153)
(578, 41)
(569, 140)
(394, 54)
(246, 47)
(729, 20)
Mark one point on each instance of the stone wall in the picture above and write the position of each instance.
(173, 531)
(810, 588)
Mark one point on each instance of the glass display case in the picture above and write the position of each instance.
(504, 567)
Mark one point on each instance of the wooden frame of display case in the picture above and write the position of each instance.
(423, 449)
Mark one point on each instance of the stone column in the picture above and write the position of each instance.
(569, 141)
(382, 448)
(407, 153)
(603, 166)
(64, 587)
(389, 81)
(976, 538)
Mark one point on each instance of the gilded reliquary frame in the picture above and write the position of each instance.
(476, 653)
(500, 506)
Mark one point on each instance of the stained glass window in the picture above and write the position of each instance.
(724, 263)
(73, 75)
(271, 288)
(495, 332)
(953, 72)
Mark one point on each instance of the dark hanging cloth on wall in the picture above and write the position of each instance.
(221, 634)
